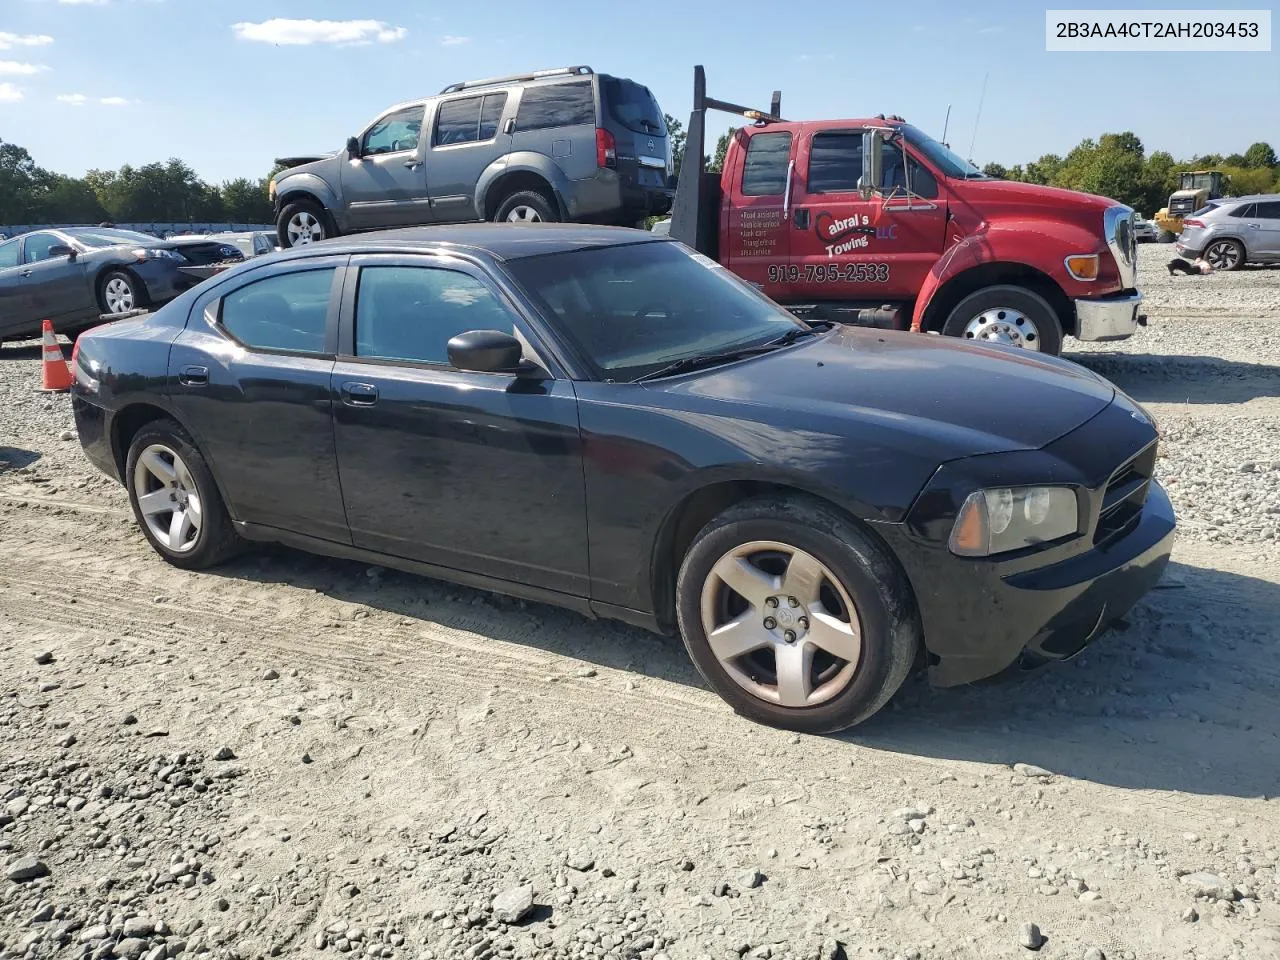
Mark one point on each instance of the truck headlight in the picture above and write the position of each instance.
(1011, 518)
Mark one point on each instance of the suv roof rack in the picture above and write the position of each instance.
(576, 71)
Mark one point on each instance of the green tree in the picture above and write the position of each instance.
(1260, 155)
(245, 201)
(676, 136)
(20, 180)
(69, 200)
(715, 163)
(1045, 170)
(996, 170)
(1243, 181)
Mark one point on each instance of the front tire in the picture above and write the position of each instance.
(526, 206)
(175, 499)
(1007, 314)
(795, 616)
(302, 222)
(119, 292)
(1225, 254)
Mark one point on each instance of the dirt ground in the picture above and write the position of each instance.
(307, 757)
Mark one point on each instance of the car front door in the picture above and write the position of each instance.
(846, 248)
(1264, 225)
(478, 472)
(15, 301)
(250, 377)
(57, 285)
(385, 184)
(468, 134)
(758, 237)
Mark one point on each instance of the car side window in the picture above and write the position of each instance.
(286, 312)
(411, 313)
(835, 162)
(8, 254)
(1245, 210)
(395, 133)
(556, 105)
(38, 247)
(469, 120)
(1268, 210)
(764, 171)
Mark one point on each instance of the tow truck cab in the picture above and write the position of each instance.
(871, 221)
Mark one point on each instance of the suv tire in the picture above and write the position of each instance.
(850, 596)
(303, 219)
(526, 206)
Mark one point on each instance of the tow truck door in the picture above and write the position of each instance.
(846, 248)
(757, 237)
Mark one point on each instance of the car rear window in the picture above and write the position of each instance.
(556, 105)
(633, 106)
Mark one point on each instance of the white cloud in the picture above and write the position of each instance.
(11, 68)
(449, 40)
(304, 32)
(115, 101)
(74, 99)
(11, 40)
(9, 93)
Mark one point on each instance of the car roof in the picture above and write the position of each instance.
(501, 241)
(1251, 198)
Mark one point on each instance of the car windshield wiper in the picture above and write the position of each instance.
(697, 361)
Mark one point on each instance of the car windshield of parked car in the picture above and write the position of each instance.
(111, 238)
(634, 309)
(941, 156)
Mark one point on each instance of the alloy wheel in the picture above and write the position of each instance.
(781, 624)
(118, 294)
(523, 214)
(1223, 255)
(1004, 325)
(167, 498)
(304, 227)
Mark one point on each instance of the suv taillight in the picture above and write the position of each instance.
(606, 148)
(1192, 223)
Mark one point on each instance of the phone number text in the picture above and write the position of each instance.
(829, 273)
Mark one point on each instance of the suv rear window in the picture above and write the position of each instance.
(633, 106)
(469, 119)
(556, 105)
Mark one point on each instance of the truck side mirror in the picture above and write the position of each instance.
(353, 148)
(872, 164)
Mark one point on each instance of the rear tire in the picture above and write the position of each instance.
(1007, 314)
(302, 222)
(1225, 254)
(792, 677)
(175, 499)
(526, 206)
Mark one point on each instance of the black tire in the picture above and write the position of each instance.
(1015, 299)
(1227, 252)
(538, 203)
(1166, 236)
(886, 609)
(310, 208)
(110, 281)
(216, 539)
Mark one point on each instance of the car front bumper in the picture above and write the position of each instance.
(1109, 318)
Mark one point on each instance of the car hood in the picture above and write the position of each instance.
(964, 398)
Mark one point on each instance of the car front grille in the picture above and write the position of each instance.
(203, 254)
(1124, 496)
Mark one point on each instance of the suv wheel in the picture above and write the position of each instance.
(526, 206)
(302, 222)
(795, 616)
(1225, 254)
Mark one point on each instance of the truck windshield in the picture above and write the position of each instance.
(633, 106)
(633, 309)
(941, 156)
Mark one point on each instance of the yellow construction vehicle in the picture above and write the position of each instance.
(1195, 188)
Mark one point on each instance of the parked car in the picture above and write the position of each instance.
(73, 275)
(1144, 230)
(602, 419)
(564, 144)
(251, 243)
(1233, 231)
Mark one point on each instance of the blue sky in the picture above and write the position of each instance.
(99, 83)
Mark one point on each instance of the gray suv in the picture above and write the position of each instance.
(1233, 231)
(564, 144)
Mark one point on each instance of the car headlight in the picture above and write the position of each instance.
(1012, 518)
(157, 254)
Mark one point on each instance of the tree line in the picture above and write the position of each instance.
(1116, 165)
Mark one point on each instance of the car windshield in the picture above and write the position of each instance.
(633, 106)
(112, 238)
(941, 156)
(634, 309)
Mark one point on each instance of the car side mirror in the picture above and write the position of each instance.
(872, 164)
(353, 148)
(490, 351)
(62, 250)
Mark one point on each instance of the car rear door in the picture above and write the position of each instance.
(1265, 226)
(250, 378)
(478, 472)
(757, 236)
(468, 134)
(846, 248)
(386, 184)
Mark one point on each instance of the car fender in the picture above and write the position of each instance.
(1031, 242)
(524, 161)
(290, 185)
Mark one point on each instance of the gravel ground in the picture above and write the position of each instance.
(305, 757)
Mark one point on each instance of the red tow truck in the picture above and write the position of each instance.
(873, 222)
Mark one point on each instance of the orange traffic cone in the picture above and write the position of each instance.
(55, 374)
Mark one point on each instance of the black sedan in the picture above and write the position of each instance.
(600, 418)
(73, 275)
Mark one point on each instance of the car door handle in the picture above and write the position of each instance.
(802, 219)
(25, 273)
(413, 164)
(509, 126)
(193, 376)
(359, 394)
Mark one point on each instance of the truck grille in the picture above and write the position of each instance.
(1124, 496)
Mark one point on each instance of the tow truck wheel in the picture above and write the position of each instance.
(1008, 315)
